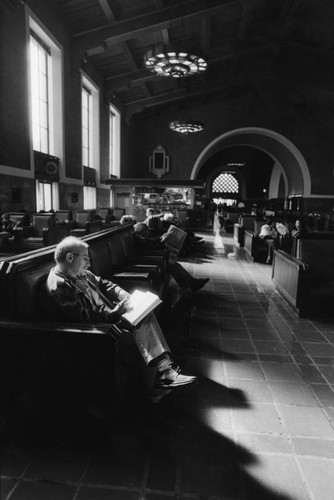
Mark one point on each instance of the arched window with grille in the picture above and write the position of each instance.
(225, 184)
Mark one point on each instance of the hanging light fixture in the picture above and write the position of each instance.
(186, 126)
(172, 62)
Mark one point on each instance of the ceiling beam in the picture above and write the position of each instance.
(205, 33)
(182, 94)
(245, 19)
(159, 4)
(125, 48)
(141, 25)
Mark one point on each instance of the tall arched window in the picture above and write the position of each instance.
(225, 183)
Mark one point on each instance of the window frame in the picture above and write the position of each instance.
(93, 122)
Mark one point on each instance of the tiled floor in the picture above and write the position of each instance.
(258, 426)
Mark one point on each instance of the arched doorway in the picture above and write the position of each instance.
(288, 160)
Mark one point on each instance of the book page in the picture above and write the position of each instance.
(142, 303)
(173, 241)
(174, 237)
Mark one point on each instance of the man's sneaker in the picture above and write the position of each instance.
(172, 377)
(198, 284)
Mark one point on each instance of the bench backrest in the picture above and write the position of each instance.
(21, 276)
(82, 217)
(232, 216)
(21, 217)
(103, 212)
(257, 224)
(41, 221)
(63, 215)
(247, 221)
(319, 255)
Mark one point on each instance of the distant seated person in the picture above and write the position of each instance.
(152, 218)
(282, 229)
(269, 213)
(7, 229)
(7, 225)
(299, 230)
(283, 237)
(144, 243)
(165, 221)
(128, 219)
(77, 295)
(268, 236)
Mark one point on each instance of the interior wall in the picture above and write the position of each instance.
(15, 147)
(229, 112)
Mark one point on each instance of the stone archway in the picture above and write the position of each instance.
(288, 159)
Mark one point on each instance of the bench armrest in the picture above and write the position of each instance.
(62, 328)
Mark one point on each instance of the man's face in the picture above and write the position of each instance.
(80, 261)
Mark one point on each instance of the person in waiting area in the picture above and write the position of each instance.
(128, 219)
(75, 294)
(268, 235)
(7, 225)
(299, 230)
(7, 228)
(144, 243)
(282, 229)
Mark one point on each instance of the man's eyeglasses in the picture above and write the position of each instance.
(86, 257)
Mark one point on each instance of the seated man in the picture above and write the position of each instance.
(75, 294)
(145, 243)
(7, 228)
(268, 235)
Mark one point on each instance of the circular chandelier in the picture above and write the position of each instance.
(176, 63)
(186, 126)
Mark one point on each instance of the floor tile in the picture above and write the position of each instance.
(291, 393)
(313, 447)
(106, 494)
(265, 443)
(319, 475)
(305, 421)
(258, 416)
(281, 371)
(59, 466)
(279, 474)
(42, 491)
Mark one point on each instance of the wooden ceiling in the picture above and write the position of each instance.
(248, 44)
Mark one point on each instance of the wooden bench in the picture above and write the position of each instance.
(70, 351)
(43, 231)
(245, 222)
(308, 282)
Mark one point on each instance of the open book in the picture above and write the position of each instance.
(173, 240)
(142, 303)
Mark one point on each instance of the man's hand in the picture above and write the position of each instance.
(122, 307)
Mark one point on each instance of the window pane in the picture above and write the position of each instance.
(39, 96)
(47, 197)
(42, 60)
(89, 197)
(85, 112)
(44, 140)
(43, 87)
